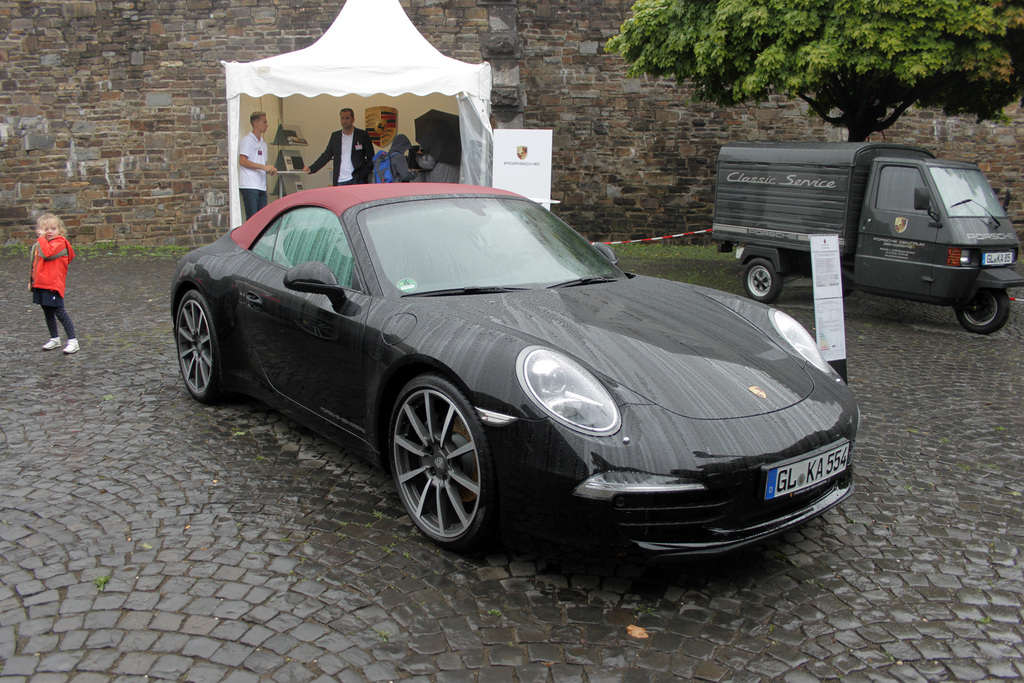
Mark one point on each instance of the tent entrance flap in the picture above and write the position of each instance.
(477, 141)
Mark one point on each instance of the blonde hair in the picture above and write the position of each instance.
(52, 218)
(255, 115)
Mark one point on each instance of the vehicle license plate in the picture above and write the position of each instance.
(808, 472)
(997, 258)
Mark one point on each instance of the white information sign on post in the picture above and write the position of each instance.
(829, 323)
(522, 163)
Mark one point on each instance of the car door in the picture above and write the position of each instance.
(309, 350)
(896, 247)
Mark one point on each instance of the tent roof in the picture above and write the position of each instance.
(371, 48)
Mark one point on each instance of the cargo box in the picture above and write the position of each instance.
(778, 194)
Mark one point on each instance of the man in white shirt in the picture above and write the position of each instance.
(253, 158)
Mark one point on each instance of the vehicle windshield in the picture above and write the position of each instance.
(453, 244)
(965, 192)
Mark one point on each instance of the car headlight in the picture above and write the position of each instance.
(800, 339)
(567, 391)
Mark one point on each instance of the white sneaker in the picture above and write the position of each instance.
(52, 344)
(72, 346)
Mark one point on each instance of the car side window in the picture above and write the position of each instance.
(896, 185)
(264, 246)
(308, 233)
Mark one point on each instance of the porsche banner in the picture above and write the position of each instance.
(522, 163)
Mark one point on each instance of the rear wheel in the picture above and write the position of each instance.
(986, 313)
(442, 466)
(762, 281)
(198, 353)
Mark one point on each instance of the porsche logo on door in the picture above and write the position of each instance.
(521, 151)
(381, 124)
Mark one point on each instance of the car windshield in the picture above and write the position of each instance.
(965, 192)
(459, 244)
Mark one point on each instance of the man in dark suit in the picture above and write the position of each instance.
(351, 150)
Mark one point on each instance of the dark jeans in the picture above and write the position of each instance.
(253, 201)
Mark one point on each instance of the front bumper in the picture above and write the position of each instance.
(540, 464)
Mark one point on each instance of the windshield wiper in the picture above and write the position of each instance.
(588, 280)
(983, 208)
(455, 291)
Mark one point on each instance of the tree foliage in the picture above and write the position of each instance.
(857, 63)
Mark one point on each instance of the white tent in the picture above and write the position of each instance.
(348, 60)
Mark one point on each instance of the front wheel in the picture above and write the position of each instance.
(986, 313)
(442, 466)
(198, 354)
(762, 281)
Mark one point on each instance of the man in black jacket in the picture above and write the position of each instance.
(351, 150)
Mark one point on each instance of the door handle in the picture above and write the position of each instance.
(253, 300)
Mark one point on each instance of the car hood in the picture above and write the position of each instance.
(654, 341)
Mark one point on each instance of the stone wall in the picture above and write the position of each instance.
(112, 113)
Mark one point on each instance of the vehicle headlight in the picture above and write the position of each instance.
(567, 391)
(800, 339)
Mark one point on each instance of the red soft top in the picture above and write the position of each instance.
(340, 199)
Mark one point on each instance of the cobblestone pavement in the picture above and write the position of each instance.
(145, 536)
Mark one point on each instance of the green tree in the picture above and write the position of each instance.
(857, 63)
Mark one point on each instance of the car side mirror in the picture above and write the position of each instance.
(922, 199)
(923, 202)
(607, 252)
(313, 277)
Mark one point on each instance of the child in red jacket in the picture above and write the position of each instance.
(51, 255)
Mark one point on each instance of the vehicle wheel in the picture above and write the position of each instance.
(761, 281)
(198, 354)
(442, 466)
(986, 312)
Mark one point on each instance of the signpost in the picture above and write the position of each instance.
(829, 325)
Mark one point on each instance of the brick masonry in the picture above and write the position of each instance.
(112, 113)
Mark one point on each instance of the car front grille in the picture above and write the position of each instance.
(663, 516)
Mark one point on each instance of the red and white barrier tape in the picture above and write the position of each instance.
(666, 237)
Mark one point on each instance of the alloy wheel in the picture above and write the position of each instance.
(437, 464)
(195, 346)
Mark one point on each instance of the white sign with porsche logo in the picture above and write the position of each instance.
(522, 163)
(828, 297)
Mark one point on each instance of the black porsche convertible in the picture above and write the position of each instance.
(515, 383)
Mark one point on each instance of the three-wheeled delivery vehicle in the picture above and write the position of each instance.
(910, 225)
